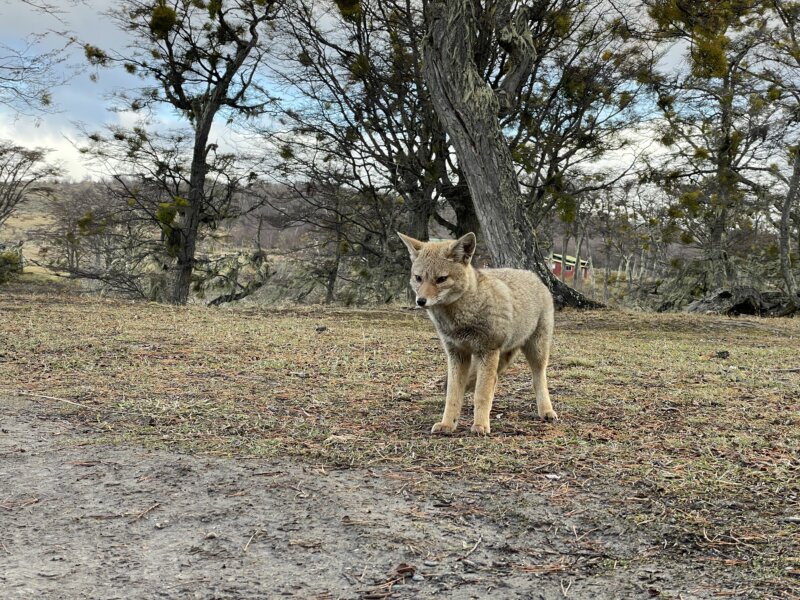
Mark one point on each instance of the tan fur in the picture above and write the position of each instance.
(484, 318)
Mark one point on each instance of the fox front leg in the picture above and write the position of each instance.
(457, 375)
(484, 390)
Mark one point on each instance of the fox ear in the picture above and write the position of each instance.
(463, 248)
(414, 246)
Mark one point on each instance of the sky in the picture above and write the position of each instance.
(80, 100)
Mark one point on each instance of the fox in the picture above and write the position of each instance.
(484, 318)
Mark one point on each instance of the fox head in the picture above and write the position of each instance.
(440, 271)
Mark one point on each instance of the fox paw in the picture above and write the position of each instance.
(548, 415)
(443, 428)
(480, 429)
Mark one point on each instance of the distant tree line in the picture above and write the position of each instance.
(657, 139)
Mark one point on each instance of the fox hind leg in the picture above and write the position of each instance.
(537, 353)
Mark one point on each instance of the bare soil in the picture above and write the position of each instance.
(87, 520)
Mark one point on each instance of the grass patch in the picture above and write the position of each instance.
(698, 450)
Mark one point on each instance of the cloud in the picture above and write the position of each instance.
(29, 135)
(81, 101)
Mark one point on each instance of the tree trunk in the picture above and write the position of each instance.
(333, 272)
(580, 234)
(468, 108)
(190, 221)
(564, 246)
(333, 275)
(421, 211)
(642, 266)
(630, 269)
(725, 176)
(460, 200)
(717, 256)
(789, 201)
(608, 274)
(187, 240)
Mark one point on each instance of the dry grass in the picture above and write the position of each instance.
(687, 443)
(22, 225)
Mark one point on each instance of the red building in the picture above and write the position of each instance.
(557, 263)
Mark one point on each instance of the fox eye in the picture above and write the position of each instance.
(418, 278)
(441, 279)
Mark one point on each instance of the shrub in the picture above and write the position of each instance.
(10, 264)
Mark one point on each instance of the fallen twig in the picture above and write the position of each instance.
(480, 539)
(83, 406)
(247, 545)
(143, 513)
(20, 503)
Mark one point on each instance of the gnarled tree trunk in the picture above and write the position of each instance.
(790, 201)
(468, 108)
(190, 222)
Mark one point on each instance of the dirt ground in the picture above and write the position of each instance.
(86, 520)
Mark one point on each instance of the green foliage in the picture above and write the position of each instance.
(304, 58)
(668, 139)
(735, 139)
(166, 213)
(757, 103)
(665, 102)
(567, 208)
(10, 265)
(162, 20)
(708, 57)
(359, 68)
(561, 22)
(402, 59)
(95, 55)
(351, 134)
(690, 201)
(675, 212)
(349, 9)
(773, 93)
(89, 225)
(286, 152)
(702, 154)
(214, 7)
(705, 24)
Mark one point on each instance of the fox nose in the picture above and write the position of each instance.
(421, 301)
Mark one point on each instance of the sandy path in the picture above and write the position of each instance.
(92, 521)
